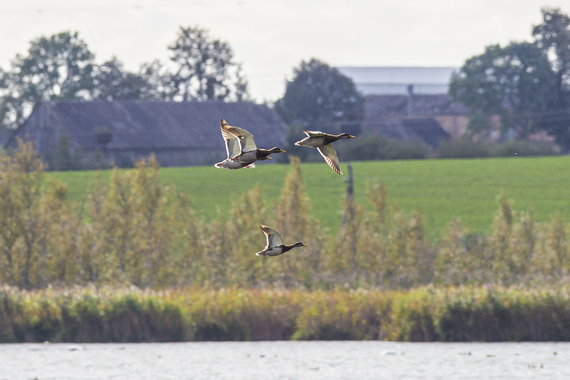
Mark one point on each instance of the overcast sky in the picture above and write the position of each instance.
(271, 37)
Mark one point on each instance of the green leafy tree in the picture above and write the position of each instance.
(29, 220)
(513, 82)
(501, 261)
(9, 234)
(56, 67)
(555, 262)
(293, 220)
(93, 253)
(113, 82)
(151, 197)
(319, 97)
(320, 94)
(553, 36)
(59, 242)
(204, 68)
(120, 226)
(451, 264)
(157, 78)
(246, 215)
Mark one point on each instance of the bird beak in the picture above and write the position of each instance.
(351, 136)
(282, 151)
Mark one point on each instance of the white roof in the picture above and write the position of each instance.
(395, 80)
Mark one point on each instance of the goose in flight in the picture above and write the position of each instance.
(249, 152)
(275, 246)
(323, 142)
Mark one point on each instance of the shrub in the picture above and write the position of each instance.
(462, 148)
(375, 147)
(523, 148)
(421, 314)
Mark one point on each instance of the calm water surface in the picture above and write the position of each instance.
(286, 360)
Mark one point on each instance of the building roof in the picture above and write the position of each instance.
(388, 106)
(151, 125)
(424, 130)
(395, 80)
(393, 116)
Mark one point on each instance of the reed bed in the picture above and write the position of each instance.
(90, 314)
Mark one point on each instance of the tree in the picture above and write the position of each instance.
(29, 221)
(513, 82)
(112, 82)
(553, 36)
(321, 95)
(56, 67)
(157, 78)
(204, 68)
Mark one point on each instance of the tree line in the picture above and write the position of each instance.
(62, 67)
(525, 84)
(134, 229)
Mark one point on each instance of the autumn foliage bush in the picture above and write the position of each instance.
(135, 230)
(134, 263)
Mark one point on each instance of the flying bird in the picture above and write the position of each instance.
(323, 142)
(249, 152)
(275, 246)
(233, 150)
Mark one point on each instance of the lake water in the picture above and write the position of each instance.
(286, 360)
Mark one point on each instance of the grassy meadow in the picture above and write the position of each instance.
(442, 190)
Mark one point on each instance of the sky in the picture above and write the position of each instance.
(272, 37)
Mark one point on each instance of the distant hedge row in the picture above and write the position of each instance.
(375, 147)
(201, 314)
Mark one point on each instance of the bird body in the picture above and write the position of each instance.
(228, 163)
(323, 142)
(233, 149)
(275, 246)
(248, 150)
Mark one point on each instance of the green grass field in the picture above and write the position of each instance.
(442, 190)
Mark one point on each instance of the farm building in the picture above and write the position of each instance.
(394, 80)
(178, 133)
(433, 116)
(409, 103)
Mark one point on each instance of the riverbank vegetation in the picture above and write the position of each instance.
(197, 314)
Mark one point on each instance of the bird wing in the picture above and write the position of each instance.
(245, 138)
(314, 133)
(233, 147)
(329, 154)
(273, 236)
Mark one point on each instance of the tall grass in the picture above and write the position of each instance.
(198, 314)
